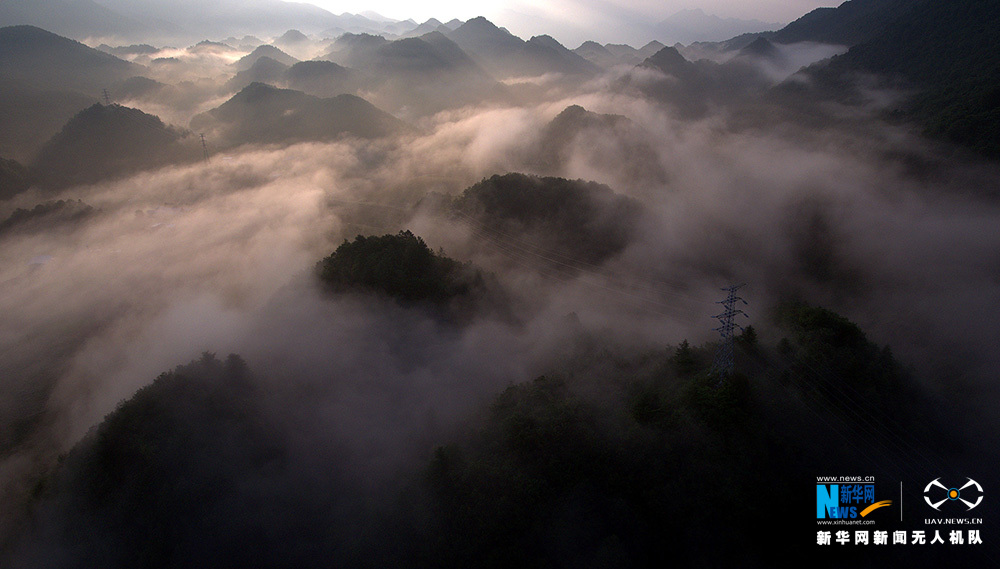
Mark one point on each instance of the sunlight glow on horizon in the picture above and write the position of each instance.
(573, 21)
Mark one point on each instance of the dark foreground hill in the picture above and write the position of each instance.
(614, 459)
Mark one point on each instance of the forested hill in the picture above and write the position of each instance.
(946, 51)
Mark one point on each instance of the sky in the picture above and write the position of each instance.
(573, 21)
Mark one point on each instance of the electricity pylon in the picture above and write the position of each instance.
(724, 363)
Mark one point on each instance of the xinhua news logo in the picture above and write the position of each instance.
(846, 501)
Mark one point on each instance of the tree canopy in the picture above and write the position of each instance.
(399, 266)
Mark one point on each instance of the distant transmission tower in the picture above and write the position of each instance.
(107, 98)
(204, 146)
(724, 362)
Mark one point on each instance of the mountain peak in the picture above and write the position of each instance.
(547, 41)
(668, 59)
(760, 47)
(247, 61)
(292, 36)
(480, 21)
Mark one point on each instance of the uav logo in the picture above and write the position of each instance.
(952, 494)
(842, 501)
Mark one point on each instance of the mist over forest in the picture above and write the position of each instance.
(292, 289)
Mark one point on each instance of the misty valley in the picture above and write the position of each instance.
(282, 288)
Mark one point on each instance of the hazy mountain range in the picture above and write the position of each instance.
(188, 20)
(283, 288)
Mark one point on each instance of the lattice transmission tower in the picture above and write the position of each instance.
(724, 363)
